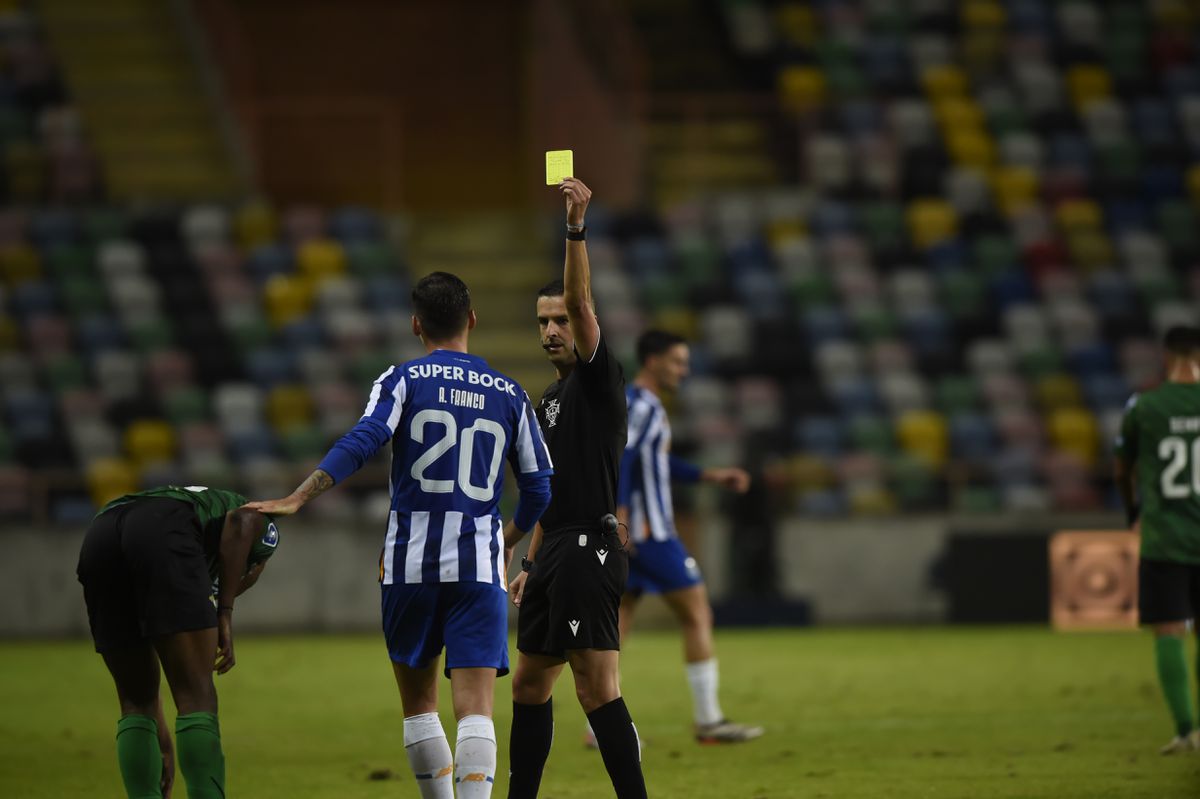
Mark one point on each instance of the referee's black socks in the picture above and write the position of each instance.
(528, 747)
(618, 742)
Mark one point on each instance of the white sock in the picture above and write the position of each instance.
(429, 755)
(702, 677)
(475, 757)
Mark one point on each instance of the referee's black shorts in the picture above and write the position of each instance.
(144, 573)
(1167, 591)
(572, 596)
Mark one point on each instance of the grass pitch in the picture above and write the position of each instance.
(927, 712)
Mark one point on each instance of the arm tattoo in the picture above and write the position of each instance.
(314, 485)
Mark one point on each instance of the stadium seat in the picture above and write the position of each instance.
(109, 478)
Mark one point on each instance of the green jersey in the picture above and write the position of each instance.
(210, 505)
(1160, 435)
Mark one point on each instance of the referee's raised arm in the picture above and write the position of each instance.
(577, 277)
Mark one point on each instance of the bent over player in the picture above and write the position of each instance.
(150, 565)
(659, 563)
(1158, 450)
(570, 588)
(452, 422)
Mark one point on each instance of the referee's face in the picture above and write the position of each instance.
(555, 331)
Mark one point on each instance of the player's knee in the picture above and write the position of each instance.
(530, 689)
(595, 689)
(199, 696)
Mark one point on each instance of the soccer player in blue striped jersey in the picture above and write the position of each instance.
(452, 422)
(659, 563)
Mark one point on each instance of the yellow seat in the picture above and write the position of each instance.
(871, 500)
(680, 321)
(944, 81)
(1015, 187)
(289, 407)
(287, 298)
(321, 259)
(149, 441)
(19, 264)
(955, 114)
(797, 24)
(971, 148)
(923, 434)
(931, 221)
(801, 88)
(1074, 430)
(808, 473)
(781, 231)
(1091, 250)
(256, 225)
(1074, 215)
(10, 336)
(109, 478)
(1055, 392)
(977, 14)
(1088, 83)
(1193, 183)
(1173, 15)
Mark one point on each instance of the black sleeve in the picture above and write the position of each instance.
(602, 376)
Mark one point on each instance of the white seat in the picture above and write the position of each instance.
(238, 406)
(838, 359)
(967, 190)
(989, 355)
(119, 258)
(1022, 149)
(1104, 120)
(911, 122)
(205, 226)
(904, 391)
(727, 331)
(828, 162)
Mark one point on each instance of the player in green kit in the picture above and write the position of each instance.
(1158, 450)
(160, 570)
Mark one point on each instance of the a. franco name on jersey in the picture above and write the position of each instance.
(460, 374)
(1185, 424)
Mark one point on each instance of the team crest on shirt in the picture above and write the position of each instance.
(271, 536)
(552, 409)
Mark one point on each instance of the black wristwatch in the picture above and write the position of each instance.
(526, 564)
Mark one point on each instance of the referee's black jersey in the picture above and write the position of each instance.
(583, 421)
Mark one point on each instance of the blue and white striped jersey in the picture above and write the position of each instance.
(453, 421)
(647, 468)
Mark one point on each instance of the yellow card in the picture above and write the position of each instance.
(559, 165)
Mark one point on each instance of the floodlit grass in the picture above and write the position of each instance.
(926, 712)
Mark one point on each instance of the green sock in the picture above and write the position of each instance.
(198, 744)
(139, 756)
(1173, 676)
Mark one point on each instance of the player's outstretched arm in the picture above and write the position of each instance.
(314, 485)
(577, 278)
(730, 477)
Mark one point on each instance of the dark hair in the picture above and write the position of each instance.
(1182, 340)
(554, 288)
(442, 304)
(656, 342)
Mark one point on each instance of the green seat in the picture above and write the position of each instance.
(663, 291)
(65, 372)
(185, 405)
(83, 294)
(250, 333)
(1040, 362)
(1155, 288)
(957, 394)
(883, 224)
(995, 254)
(1125, 55)
(104, 224)
(15, 124)
(1121, 161)
(372, 259)
(811, 290)
(976, 500)
(699, 261)
(845, 81)
(64, 260)
(887, 17)
(303, 442)
(152, 335)
(1177, 224)
(962, 293)
(370, 365)
(871, 433)
(873, 322)
(914, 485)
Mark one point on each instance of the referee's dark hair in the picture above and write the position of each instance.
(442, 304)
(656, 342)
(554, 288)
(1182, 340)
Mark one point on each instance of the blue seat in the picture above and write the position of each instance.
(387, 294)
(825, 503)
(927, 330)
(1013, 466)
(1153, 122)
(860, 117)
(648, 256)
(30, 414)
(972, 437)
(1181, 81)
(749, 254)
(1112, 294)
(1091, 359)
(824, 323)
(947, 256)
(270, 260)
(819, 435)
(34, 297)
(304, 333)
(1161, 182)
(250, 443)
(761, 293)
(1030, 16)
(854, 396)
(1105, 391)
(271, 366)
(831, 217)
(1070, 150)
(54, 227)
(99, 333)
(1124, 214)
(73, 510)
(885, 62)
(353, 224)
(1011, 288)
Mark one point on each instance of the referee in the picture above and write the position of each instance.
(570, 586)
